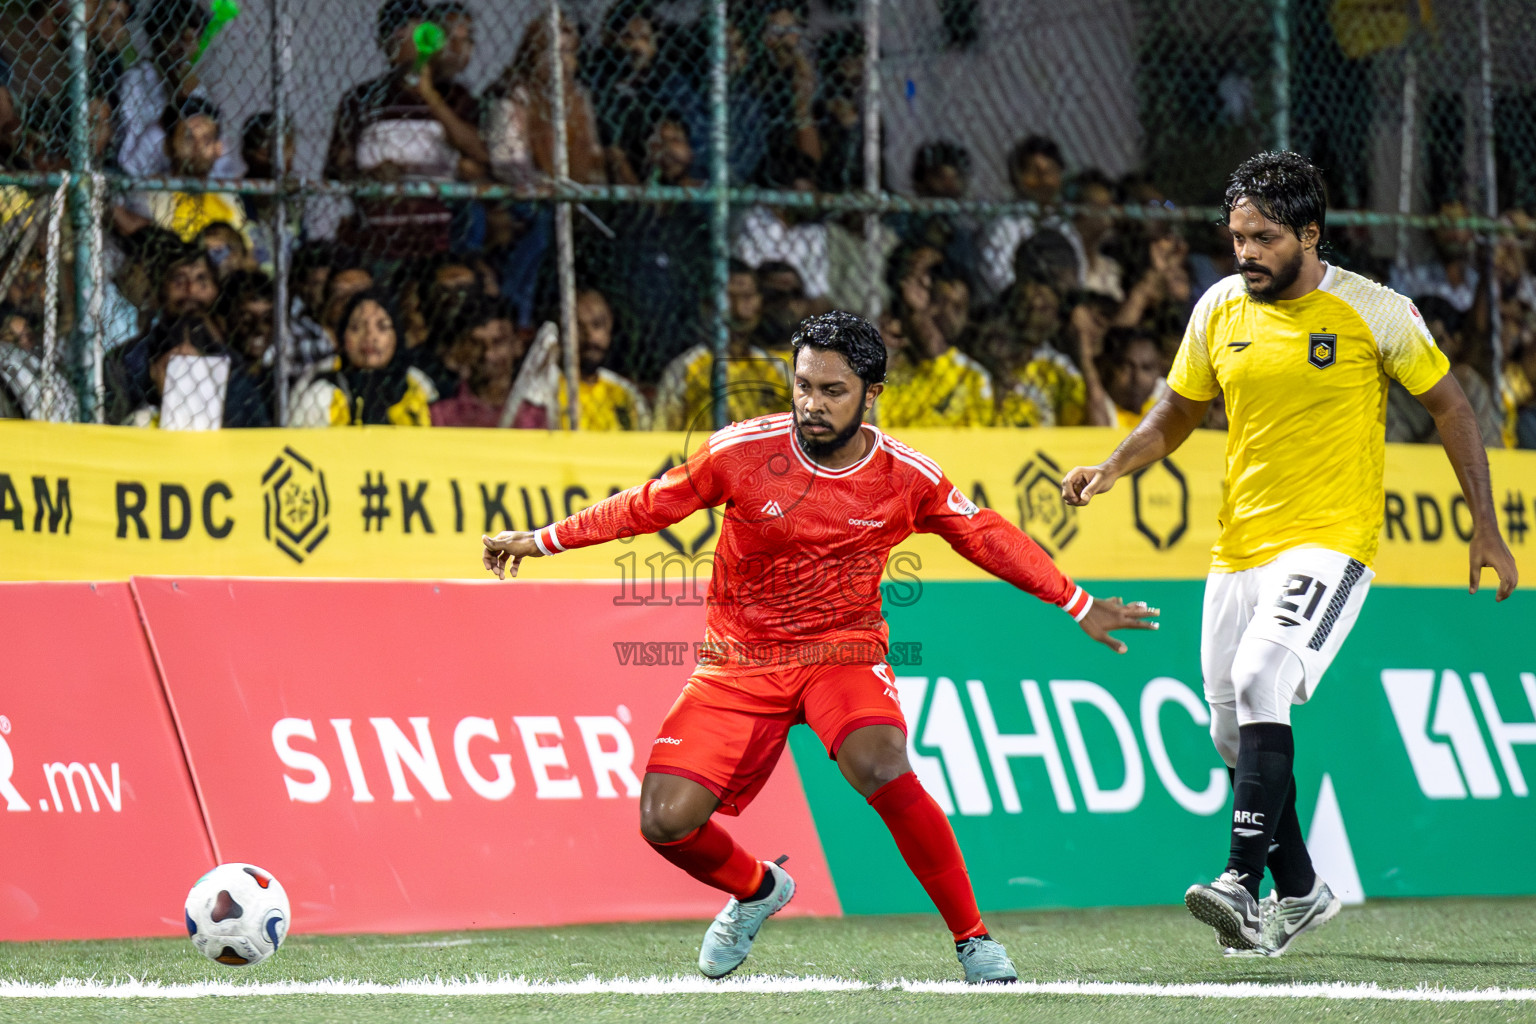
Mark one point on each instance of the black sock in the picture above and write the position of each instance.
(763, 889)
(1289, 863)
(1262, 781)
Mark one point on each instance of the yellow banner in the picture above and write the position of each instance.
(104, 503)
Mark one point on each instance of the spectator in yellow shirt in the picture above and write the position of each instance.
(1038, 384)
(930, 382)
(1131, 368)
(193, 145)
(756, 383)
(604, 400)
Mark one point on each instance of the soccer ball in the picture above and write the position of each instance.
(237, 914)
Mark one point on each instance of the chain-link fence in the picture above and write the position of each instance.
(315, 212)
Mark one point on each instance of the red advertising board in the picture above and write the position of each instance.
(411, 756)
(100, 834)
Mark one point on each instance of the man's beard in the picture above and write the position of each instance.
(822, 449)
(1279, 282)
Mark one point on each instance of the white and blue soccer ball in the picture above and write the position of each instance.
(237, 914)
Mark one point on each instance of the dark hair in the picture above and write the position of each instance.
(1087, 178)
(1117, 345)
(624, 11)
(197, 330)
(183, 255)
(240, 287)
(943, 153)
(949, 272)
(477, 311)
(1283, 187)
(167, 19)
(192, 106)
(1046, 256)
(740, 266)
(780, 267)
(852, 337)
(385, 302)
(899, 264)
(450, 9)
(1433, 307)
(396, 14)
(257, 130)
(1033, 145)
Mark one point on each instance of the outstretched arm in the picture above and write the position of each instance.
(1457, 424)
(647, 508)
(1007, 552)
(1166, 427)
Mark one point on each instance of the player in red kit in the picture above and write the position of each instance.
(814, 502)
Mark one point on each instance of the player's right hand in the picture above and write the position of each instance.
(1082, 482)
(506, 550)
(1110, 613)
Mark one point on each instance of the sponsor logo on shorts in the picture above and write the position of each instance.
(668, 740)
(866, 522)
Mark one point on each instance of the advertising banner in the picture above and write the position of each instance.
(415, 756)
(86, 502)
(100, 833)
(1078, 777)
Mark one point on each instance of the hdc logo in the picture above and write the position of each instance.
(939, 722)
(1449, 769)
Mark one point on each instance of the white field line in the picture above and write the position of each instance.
(91, 988)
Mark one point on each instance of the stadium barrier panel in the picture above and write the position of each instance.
(100, 833)
(84, 502)
(413, 756)
(1077, 777)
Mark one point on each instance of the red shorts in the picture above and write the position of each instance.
(726, 731)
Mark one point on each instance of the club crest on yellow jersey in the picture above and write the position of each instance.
(1323, 350)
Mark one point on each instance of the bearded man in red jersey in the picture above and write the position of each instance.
(815, 500)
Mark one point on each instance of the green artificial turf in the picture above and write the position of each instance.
(1451, 944)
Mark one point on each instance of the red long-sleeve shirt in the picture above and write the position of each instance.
(801, 554)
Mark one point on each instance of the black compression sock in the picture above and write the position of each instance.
(1262, 782)
(762, 890)
(1289, 862)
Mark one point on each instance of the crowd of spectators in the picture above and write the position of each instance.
(428, 311)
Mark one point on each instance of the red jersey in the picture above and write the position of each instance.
(798, 565)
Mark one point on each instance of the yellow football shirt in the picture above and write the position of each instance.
(755, 385)
(949, 390)
(608, 402)
(1305, 382)
(1047, 391)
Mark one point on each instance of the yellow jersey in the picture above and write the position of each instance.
(756, 384)
(187, 214)
(1305, 382)
(949, 390)
(1047, 391)
(607, 402)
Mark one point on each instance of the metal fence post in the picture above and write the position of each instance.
(281, 262)
(1491, 188)
(1409, 142)
(719, 208)
(871, 115)
(564, 242)
(1281, 57)
(87, 271)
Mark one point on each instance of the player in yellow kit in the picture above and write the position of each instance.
(1302, 352)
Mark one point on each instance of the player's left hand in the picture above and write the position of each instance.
(505, 551)
(1488, 549)
(1110, 613)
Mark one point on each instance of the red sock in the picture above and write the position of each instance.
(714, 858)
(927, 843)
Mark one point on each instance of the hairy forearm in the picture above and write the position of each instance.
(1463, 444)
(1159, 434)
